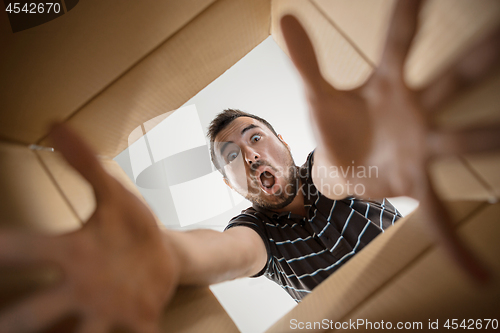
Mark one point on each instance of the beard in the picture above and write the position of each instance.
(284, 195)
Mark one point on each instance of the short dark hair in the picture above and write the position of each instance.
(222, 120)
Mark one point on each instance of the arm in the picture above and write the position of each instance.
(208, 256)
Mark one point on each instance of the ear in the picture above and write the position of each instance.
(282, 140)
(227, 183)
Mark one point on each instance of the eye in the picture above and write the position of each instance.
(255, 138)
(231, 156)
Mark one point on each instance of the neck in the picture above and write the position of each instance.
(297, 205)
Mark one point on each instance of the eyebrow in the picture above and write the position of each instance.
(249, 127)
(225, 144)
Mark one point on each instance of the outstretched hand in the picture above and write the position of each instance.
(117, 270)
(386, 124)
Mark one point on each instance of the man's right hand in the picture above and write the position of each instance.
(117, 270)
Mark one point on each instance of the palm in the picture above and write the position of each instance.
(117, 270)
(375, 128)
(387, 125)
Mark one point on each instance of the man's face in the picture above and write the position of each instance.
(257, 164)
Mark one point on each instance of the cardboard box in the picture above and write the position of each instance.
(107, 66)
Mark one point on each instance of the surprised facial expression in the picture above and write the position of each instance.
(256, 163)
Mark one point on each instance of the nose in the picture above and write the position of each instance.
(251, 156)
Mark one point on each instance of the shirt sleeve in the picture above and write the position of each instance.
(249, 220)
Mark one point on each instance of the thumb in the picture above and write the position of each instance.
(81, 157)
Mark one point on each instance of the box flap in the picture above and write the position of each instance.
(453, 179)
(174, 72)
(487, 169)
(50, 71)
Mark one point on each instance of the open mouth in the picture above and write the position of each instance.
(267, 179)
(268, 182)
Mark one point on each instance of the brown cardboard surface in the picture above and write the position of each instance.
(373, 268)
(448, 27)
(477, 107)
(433, 288)
(174, 72)
(195, 309)
(340, 62)
(453, 180)
(48, 72)
(487, 169)
(364, 23)
(29, 199)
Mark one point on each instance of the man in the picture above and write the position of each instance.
(119, 269)
(307, 236)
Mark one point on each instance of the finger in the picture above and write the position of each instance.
(301, 51)
(69, 323)
(94, 325)
(473, 66)
(136, 328)
(81, 157)
(401, 32)
(150, 328)
(16, 247)
(35, 313)
(440, 223)
(470, 141)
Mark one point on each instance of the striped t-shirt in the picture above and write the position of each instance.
(304, 251)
